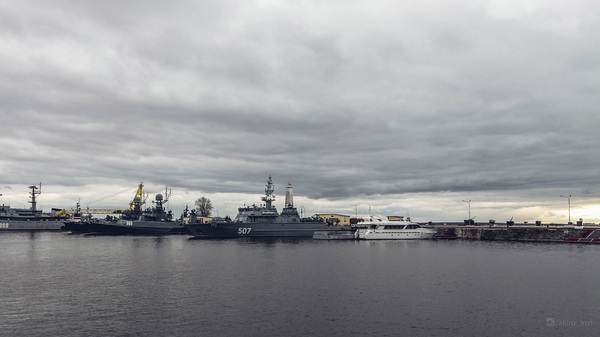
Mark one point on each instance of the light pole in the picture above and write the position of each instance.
(569, 200)
(469, 207)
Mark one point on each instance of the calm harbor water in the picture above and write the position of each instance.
(58, 284)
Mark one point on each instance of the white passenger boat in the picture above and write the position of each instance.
(402, 229)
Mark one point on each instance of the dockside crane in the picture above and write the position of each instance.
(78, 210)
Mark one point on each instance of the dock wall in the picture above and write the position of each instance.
(519, 234)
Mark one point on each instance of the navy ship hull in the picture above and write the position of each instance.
(236, 230)
(135, 228)
(31, 225)
(76, 227)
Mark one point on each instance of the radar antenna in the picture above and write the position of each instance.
(33, 194)
(167, 193)
(269, 196)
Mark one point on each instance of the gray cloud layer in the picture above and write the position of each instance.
(348, 99)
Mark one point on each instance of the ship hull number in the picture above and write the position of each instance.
(244, 231)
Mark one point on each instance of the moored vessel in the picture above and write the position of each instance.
(155, 220)
(30, 219)
(262, 221)
(402, 229)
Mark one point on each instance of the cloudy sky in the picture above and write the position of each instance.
(388, 107)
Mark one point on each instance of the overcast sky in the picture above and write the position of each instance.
(400, 107)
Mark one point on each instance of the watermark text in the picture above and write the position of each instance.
(553, 322)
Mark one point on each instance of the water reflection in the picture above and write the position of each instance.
(66, 285)
(155, 241)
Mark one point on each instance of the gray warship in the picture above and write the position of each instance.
(261, 221)
(155, 220)
(30, 219)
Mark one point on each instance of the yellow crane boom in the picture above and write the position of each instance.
(138, 193)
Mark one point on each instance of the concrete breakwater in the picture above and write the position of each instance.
(529, 234)
(513, 233)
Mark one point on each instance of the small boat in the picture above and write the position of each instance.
(402, 229)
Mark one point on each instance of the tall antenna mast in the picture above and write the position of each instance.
(33, 194)
(269, 197)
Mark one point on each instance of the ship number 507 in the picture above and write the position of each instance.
(242, 231)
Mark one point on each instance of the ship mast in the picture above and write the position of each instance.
(289, 195)
(33, 194)
(269, 197)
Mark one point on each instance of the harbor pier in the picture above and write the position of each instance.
(521, 233)
(524, 233)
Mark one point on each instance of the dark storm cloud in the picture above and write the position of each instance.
(346, 99)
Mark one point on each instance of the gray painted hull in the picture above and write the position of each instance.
(235, 230)
(136, 228)
(32, 225)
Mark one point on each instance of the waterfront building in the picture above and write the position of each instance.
(339, 220)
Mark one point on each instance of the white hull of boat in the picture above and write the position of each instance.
(395, 234)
